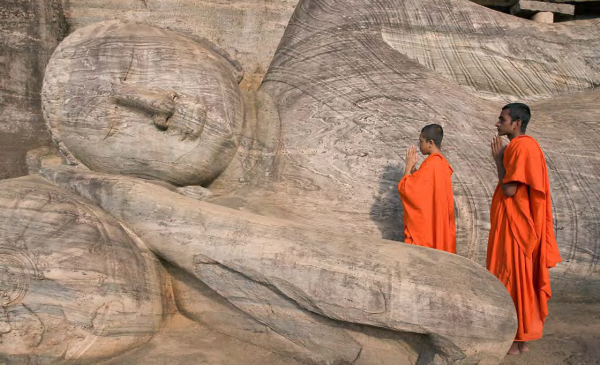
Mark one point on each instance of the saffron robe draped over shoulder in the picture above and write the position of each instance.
(522, 245)
(428, 204)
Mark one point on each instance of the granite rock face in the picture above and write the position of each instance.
(76, 287)
(29, 32)
(274, 208)
(249, 30)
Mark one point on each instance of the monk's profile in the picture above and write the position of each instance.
(521, 245)
(427, 196)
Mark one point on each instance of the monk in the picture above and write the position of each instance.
(427, 196)
(521, 245)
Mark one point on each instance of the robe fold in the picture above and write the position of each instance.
(428, 204)
(522, 245)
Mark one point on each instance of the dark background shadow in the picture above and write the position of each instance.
(387, 210)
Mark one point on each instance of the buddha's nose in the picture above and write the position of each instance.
(159, 104)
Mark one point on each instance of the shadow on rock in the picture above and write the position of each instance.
(387, 211)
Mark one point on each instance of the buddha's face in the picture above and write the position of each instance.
(138, 100)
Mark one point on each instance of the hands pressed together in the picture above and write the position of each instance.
(498, 149)
(411, 160)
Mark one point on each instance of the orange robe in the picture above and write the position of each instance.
(428, 204)
(521, 245)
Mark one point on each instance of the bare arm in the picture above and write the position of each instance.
(509, 189)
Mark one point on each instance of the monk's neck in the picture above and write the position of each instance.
(433, 151)
(515, 135)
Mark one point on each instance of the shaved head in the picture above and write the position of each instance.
(433, 132)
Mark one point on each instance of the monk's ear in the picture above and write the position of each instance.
(518, 123)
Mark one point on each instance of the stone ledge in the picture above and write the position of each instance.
(526, 7)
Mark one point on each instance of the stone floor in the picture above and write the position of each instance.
(572, 337)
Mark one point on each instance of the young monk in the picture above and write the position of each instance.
(521, 244)
(427, 195)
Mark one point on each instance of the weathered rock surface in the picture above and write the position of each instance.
(75, 287)
(305, 284)
(572, 150)
(40, 157)
(501, 3)
(29, 32)
(249, 30)
(184, 341)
